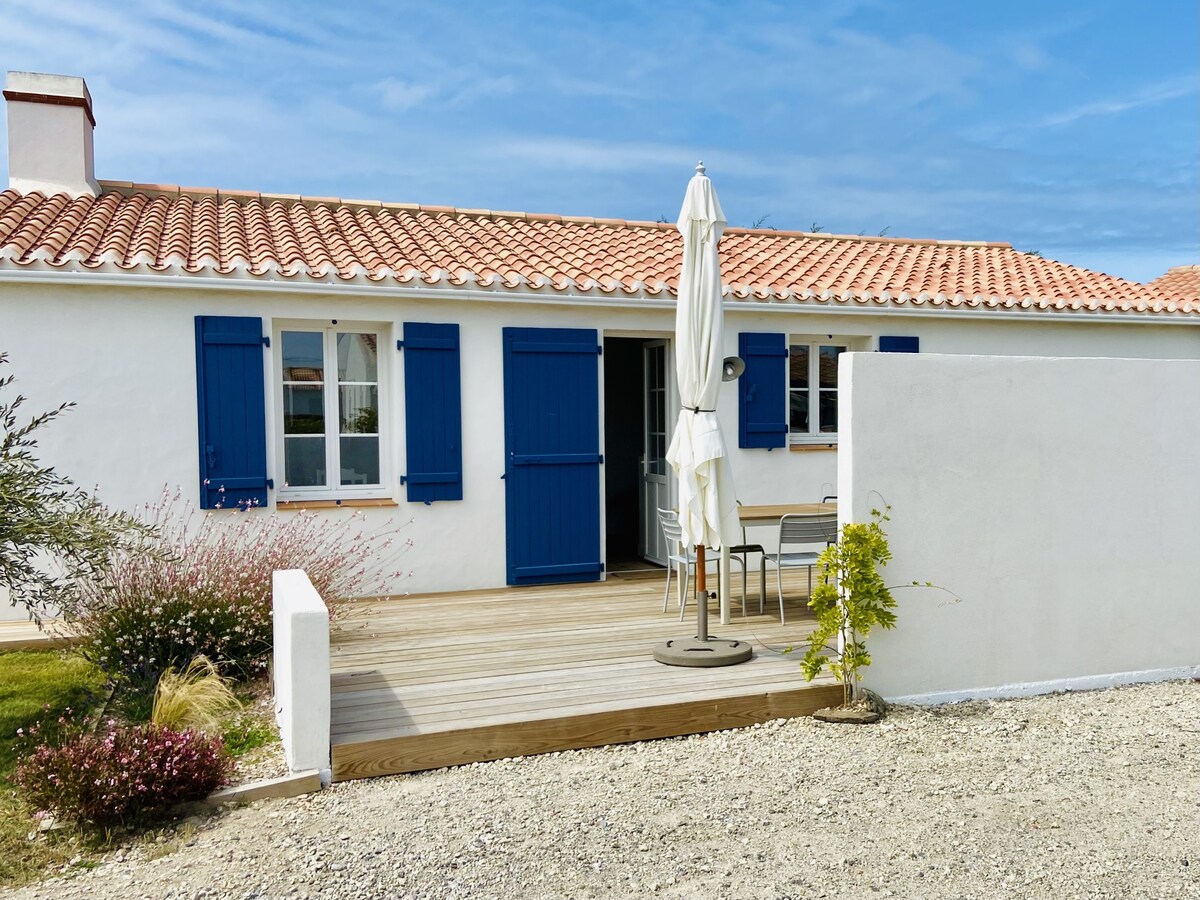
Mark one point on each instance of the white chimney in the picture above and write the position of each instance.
(50, 126)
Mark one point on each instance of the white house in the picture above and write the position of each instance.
(503, 378)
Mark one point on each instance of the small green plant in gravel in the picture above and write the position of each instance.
(247, 732)
(851, 599)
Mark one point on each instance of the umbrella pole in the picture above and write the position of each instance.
(702, 651)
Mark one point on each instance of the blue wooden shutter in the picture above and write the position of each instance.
(762, 390)
(552, 446)
(899, 344)
(433, 412)
(232, 406)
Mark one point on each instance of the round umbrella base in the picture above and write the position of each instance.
(702, 654)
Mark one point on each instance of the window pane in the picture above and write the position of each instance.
(303, 359)
(304, 461)
(828, 412)
(359, 408)
(303, 409)
(798, 366)
(357, 357)
(799, 412)
(829, 366)
(360, 460)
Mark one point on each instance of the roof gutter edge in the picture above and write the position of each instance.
(480, 295)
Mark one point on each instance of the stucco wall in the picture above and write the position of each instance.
(125, 355)
(1057, 497)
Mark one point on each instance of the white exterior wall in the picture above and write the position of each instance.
(125, 355)
(1057, 497)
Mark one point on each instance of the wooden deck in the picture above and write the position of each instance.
(446, 679)
(22, 635)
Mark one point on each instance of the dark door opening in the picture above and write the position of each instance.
(635, 446)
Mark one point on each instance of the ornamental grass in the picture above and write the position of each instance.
(198, 697)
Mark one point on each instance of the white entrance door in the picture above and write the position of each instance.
(655, 484)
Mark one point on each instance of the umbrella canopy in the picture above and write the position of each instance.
(707, 501)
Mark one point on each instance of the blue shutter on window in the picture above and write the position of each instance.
(232, 407)
(433, 412)
(899, 344)
(762, 390)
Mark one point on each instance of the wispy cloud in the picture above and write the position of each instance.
(1149, 95)
(397, 94)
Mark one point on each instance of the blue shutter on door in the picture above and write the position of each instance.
(552, 450)
(762, 390)
(232, 408)
(433, 412)
(899, 344)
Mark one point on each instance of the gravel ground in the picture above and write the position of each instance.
(1084, 795)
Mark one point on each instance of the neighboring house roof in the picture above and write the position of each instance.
(1179, 283)
(160, 229)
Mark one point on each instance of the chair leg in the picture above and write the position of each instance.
(779, 580)
(762, 582)
(667, 589)
(745, 563)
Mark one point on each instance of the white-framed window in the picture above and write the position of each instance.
(332, 438)
(813, 388)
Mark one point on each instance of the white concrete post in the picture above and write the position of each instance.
(302, 700)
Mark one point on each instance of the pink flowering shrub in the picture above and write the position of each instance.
(119, 774)
(206, 590)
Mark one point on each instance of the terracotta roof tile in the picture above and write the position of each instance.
(1180, 283)
(201, 231)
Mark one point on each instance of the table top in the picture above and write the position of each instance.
(769, 514)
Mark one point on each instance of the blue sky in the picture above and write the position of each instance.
(1071, 128)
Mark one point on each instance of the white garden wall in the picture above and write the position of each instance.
(124, 352)
(300, 670)
(1059, 498)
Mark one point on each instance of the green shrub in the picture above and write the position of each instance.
(208, 591)
(119, 774)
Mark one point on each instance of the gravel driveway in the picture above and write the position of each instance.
(1084, 795)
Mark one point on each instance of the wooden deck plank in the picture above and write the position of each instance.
(496, 698)
(553, 706)
(365, 691)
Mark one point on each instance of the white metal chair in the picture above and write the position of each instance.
(684, 557)
(677, 555)
(800, 530)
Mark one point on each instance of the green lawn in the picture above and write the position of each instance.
(34, 685)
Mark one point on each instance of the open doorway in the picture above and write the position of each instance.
(637, 482)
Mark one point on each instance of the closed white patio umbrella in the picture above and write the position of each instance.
(707, 502)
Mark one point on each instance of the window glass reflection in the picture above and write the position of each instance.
(303, 358)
